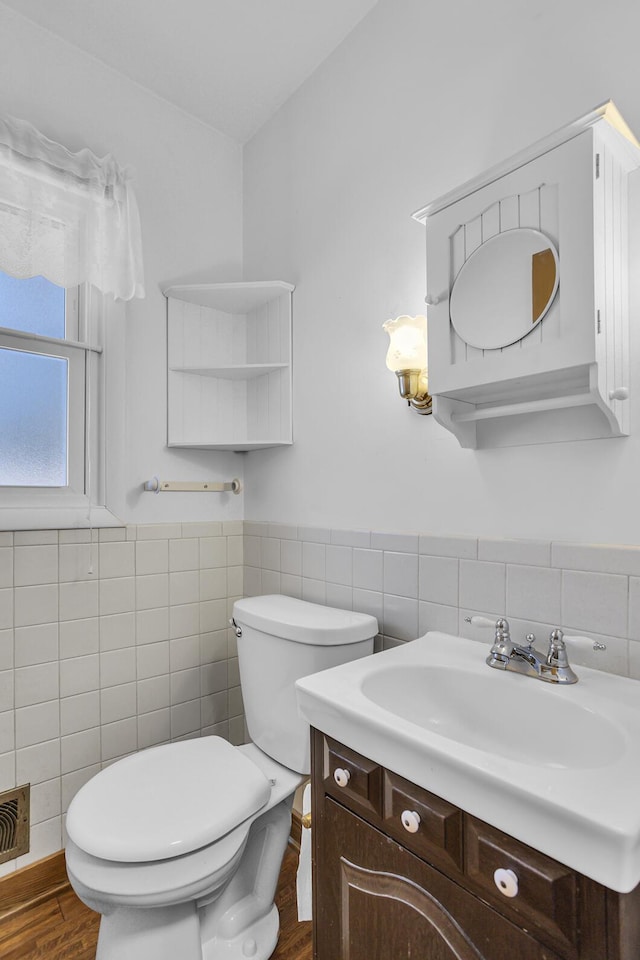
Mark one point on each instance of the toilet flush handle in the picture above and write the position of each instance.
(235, 626)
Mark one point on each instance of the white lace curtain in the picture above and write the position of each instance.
(69, 217)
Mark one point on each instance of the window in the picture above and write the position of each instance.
(46, 421)
(71, 218)
(41, 431)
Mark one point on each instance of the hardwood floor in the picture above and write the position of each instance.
(295, 938)
(61, 928)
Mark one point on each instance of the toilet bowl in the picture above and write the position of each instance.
(179, 846)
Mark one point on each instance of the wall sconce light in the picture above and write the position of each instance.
(407, 357)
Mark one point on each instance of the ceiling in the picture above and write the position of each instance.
(231, 63)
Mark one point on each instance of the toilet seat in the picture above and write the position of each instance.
(167, 801)
(178, 879)
(159, 882)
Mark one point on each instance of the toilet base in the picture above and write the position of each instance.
(134, 934)
(236, 921)
(258, 943)
(175, 932)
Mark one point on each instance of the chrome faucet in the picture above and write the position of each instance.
(553, 667)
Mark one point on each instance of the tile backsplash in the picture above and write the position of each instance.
(109, 645)
(414, 583)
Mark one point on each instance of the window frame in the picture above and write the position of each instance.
(81, 503)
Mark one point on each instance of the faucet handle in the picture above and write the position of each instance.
(500, 625)
(584, 643)
(502, 638)
(557, 653)
(558, 641)
(478, 621)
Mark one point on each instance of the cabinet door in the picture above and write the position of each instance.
(552, 193)
(374, 900)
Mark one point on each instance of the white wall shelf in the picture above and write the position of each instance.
(568, 377)
(229, 365)
(244, 371)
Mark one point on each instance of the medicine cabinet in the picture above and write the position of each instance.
(527, 287)
(229, 365)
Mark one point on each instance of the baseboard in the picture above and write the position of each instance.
(32, 884)
(45, 878)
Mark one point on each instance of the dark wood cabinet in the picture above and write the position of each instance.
(381, 891)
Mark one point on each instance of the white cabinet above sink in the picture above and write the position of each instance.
(527, 286)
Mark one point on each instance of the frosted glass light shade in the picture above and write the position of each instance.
(407, 343)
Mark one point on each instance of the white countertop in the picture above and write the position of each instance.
(557, 767)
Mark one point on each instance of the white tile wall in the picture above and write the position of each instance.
(111, 645)
(314, 561)
(400, 617)
(97, 663)
(368, 570)
(482, 584)
(534, 593)
(595, 601)
(413, 583)
(439, 580)
(400, 574)
(151, 557)
(290, 557)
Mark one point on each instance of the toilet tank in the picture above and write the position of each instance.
(281, 639)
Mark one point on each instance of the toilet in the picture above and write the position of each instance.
(179, 846)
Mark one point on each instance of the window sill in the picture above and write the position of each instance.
(56, 518)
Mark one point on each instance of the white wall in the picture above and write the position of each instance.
(97, 661)
(189, 190)
(419, 98)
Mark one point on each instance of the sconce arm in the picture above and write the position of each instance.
(413, 391)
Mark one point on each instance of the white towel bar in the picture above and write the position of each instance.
(155, 485)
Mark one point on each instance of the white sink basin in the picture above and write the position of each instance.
(556, 766)
(499, 718)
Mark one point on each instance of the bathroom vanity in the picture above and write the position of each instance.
(468, 813)
(401, 873)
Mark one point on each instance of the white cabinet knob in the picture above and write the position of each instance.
(341, 776)
(620, 393)
(507, 882)
(410, 820)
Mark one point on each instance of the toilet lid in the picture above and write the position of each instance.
(166, 801)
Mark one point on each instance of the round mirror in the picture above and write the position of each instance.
(505, 288)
